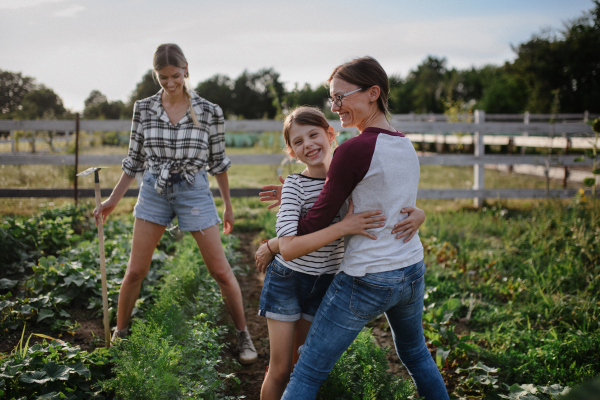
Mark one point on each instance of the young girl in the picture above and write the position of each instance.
(304, 266)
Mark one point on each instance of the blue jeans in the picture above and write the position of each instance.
(348, 305)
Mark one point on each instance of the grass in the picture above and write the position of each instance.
(530, 277)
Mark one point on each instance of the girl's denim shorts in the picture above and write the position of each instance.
(193, 205)
(289, 295)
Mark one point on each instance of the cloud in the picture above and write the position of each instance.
(69, 11)
(14, 4)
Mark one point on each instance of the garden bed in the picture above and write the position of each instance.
(511, 309)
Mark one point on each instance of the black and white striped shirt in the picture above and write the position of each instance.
(298, 195)
(161, 147)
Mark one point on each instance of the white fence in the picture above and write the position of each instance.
(478, 134)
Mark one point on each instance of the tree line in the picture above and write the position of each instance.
(554, 71)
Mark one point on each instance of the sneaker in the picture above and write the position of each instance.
(247, 351)
(118, 334)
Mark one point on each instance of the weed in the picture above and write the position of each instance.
(361, 373)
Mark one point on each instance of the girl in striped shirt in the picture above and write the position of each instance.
(299, 269)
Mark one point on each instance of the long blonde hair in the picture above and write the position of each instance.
(170, 54)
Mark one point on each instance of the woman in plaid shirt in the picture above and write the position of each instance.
(176, 137)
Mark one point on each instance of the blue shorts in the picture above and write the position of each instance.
(193, 205)
(289, 295)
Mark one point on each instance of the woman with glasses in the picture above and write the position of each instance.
(378, 170)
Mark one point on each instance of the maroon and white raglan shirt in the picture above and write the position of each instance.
(379, 170)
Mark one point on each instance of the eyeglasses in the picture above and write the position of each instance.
(338, 99)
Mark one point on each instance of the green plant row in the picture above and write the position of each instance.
(362, 374)
(53, 371)
(70, 282)
(174, 352)
(525, 284)
(24, 240)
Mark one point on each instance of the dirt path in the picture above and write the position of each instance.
(251, 377)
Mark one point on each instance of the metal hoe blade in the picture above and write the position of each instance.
(90, 170)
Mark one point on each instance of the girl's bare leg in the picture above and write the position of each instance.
(146, 236)
(281, 341)
(300, 333)
(209, 243)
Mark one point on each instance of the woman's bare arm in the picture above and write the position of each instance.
(292, 247)
(117, 194)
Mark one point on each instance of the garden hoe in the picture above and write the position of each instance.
(102, 259)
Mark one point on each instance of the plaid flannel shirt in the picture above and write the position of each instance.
(161, 147)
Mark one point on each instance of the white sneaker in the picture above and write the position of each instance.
(247, 351)
(118, 334)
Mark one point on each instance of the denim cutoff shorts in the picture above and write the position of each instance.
(193, 205)
(289, 295)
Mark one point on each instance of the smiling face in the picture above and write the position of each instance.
(171, 79)
(311, 144)
(355, 110)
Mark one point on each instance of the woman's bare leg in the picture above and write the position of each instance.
(209, 243)
(146, 236)
(281, 341)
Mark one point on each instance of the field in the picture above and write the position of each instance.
(512, 308)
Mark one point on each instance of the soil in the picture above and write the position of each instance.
(251, 376)
(88, 336)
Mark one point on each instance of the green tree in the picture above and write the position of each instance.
(256, 94)
(98, 107)
(219, 90)
(424, 89)
(505, 93)
(95, 97)
(307, 96)
(13, 87)
(568, 62)
(41, 103)
(147, 87)
(581, 57)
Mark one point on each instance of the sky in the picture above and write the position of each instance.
(76, 46)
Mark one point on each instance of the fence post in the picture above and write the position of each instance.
(478, 169)
(510, 149)
(76, 153)
(33, 142)
(13, 145)
(566, 176)
(67, 134)
(526, 122)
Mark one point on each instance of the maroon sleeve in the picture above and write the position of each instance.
(349, 166)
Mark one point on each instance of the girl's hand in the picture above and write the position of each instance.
(409, 226)
(273, 193)
(106, 207)
(357, 224)
(228, 220)
(263, 257)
